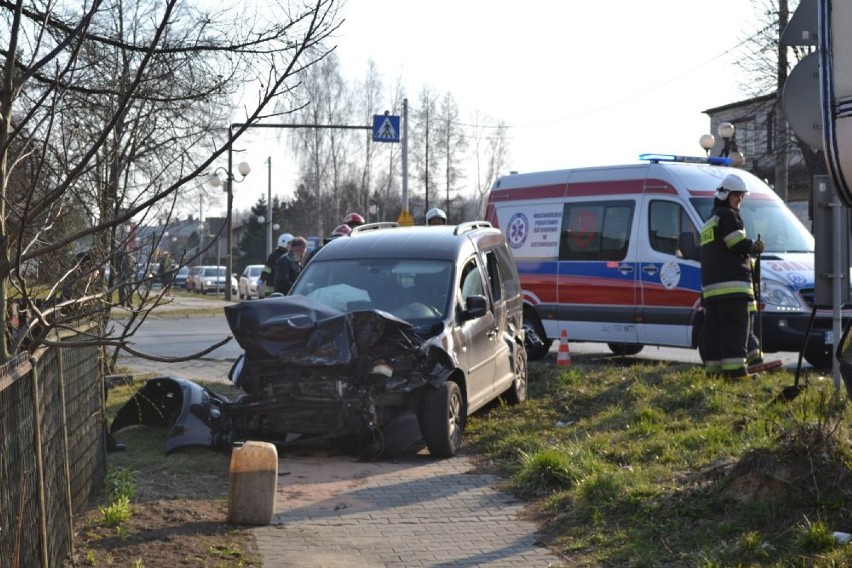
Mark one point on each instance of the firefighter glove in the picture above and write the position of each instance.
(759, 247)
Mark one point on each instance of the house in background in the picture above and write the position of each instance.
(755, 121)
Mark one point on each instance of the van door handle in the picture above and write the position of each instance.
(492, 333)
(625, 269)
(650, 269)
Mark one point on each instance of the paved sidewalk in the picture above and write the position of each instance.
(335, 511)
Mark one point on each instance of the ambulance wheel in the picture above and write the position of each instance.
(536, 343)
(625, 349)
(820, 357)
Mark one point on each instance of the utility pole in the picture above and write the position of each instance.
(269, 207)
(780, 117)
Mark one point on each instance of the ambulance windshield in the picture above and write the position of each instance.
(779, 229)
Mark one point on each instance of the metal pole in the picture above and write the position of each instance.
(269, 208)
(836, 291)
(405, 155)
(229, 219)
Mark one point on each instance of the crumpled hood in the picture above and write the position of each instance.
(298, 329)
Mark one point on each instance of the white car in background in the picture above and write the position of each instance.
(212, 280)
(247, 288)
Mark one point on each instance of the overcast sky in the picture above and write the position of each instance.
(578, 83)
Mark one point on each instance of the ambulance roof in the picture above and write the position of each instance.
(692, 177)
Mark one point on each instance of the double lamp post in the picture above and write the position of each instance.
(216, 181)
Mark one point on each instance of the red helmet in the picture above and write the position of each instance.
(353, 220)
(341, 231)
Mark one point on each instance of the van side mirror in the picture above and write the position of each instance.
(477, 306)
(844, 358)
(686, 246)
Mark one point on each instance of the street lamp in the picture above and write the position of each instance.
(707, 141)
(216, 181)
(269, 228)
(200, 229)
(728, 133)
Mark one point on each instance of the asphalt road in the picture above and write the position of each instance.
(178, 337)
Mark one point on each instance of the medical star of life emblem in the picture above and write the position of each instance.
(517, 230)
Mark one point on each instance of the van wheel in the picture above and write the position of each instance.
(517, 393)
(442, 420)
(625, 349)
(536, 342)
(820, 358)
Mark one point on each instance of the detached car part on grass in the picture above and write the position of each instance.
(311, 370)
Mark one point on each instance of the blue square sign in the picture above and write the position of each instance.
(385, 128)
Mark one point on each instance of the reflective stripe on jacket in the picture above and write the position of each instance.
(725, 264)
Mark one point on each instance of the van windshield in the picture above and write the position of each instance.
(414, 290)
(776, 225)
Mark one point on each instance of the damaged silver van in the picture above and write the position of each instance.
(389, 327)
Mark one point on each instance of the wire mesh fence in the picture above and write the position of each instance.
(52, 449)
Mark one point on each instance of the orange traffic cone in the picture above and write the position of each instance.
(564, 357)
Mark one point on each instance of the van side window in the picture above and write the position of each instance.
(494, 280)
(470, 284)
(596, 231)
(511, 286)
(666, 221)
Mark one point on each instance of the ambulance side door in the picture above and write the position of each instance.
(670, 284)
(598, 275)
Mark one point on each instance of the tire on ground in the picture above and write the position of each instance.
(442, 418)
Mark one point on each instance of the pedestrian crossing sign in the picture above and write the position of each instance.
(385, 128)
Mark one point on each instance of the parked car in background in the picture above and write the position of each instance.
(211, 279)
(247, 285)
(194, 272)
(181, 277)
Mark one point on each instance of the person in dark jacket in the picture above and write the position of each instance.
(339, 231)
(266, 280)
(289, 266)
(726, 282)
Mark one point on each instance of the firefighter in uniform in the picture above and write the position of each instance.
(726, 282)
(266, 281)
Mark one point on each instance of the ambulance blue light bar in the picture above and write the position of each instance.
(712, 160)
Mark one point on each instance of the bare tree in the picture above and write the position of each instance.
(107, 112)
(490, 157)
(766, 65)
(423, 142)
(452, 147)
(325, 153)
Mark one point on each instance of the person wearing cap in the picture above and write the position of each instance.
(726, 282)
(339, 231)
(436, 216)
(289, 265)
(267, 275)
(353, 220)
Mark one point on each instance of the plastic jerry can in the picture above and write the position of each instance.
(252, 483)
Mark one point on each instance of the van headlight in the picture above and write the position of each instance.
(778, 296)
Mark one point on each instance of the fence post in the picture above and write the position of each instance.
(65, 459)
(42, 508)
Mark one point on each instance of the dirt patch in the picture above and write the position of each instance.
(176, 520)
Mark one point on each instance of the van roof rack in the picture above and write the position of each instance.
(374, 227)
(712, 160)
(471, 226)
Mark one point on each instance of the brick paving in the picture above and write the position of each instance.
(414, 511)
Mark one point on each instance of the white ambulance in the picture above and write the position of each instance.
(610, 254)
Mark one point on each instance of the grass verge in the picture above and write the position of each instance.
(160, 510)
(650, 465)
